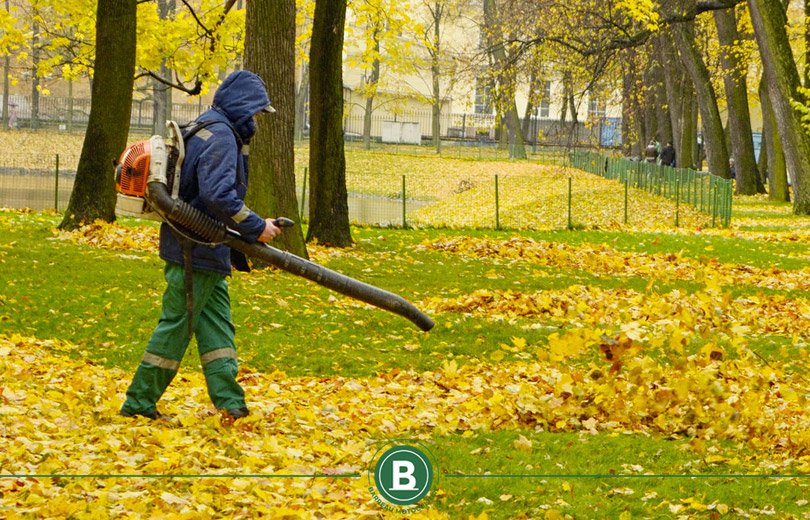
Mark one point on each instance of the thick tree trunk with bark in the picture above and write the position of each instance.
(506, 81)
(680, 98)
(714, 140)
(662, 108)
(778, 188)
(769, 20)
(739, 116)
(93, 195)
(328, 199)
(270, 53)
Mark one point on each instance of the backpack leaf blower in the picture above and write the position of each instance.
(147, 182)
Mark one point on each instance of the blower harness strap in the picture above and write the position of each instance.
(183, 237)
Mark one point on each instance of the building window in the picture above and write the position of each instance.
(483, 97)
(545, 101)
(596, 107)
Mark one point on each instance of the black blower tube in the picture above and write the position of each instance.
(210, 229)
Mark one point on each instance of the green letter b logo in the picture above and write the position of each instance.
(403, 475)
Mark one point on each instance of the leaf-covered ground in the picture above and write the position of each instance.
(623, 373)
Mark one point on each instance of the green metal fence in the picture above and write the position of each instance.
(703, 191)
(472, 197)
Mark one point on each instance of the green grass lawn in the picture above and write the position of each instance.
(108, 302)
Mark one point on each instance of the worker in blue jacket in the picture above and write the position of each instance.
(214, 179)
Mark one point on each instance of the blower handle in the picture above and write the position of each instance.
(283, 222)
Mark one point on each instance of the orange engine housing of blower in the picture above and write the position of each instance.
(133, 169)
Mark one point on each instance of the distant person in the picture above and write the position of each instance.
(651, 153)
(732, 168)
(668, 155)
(12, 116)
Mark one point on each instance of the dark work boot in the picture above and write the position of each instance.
(154, 415)
(237, 413)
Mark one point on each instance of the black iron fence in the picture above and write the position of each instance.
(415, 127)
(72, 114)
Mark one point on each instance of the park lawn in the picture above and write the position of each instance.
(100, 304)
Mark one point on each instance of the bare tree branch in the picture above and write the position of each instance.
(191, 91)
(631, 39)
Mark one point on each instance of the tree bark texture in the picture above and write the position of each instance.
(782, 77)
(714, 141)
(778, 188)
(680, 98)
(663, 113)
(739, 116)
(93, 195)
(270, 53)
(328, 198)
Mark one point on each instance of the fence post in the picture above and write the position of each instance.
(497, 205)
(677, 200)
(714, 206)
(404, 205)
(56, 185)
(625, 202)
(303, 195)
(569, 204)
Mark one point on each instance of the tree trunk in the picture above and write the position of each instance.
(713, 138)
(630, 141)
(778, 188)
(5, 85)
(806, 38)
(35, 76)
(650, 117)
(371, 85)
(769, 21)
(762, 160)
(270, 53)
(506, 80)
(328, 198)
(301, 96)
(739, 116)
(436, 75)
(534, 84)
(663, 113)
(93, 195)
(680, 96)
(159, 89)
(698, 148)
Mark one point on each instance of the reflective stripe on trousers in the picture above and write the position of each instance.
(214, 331)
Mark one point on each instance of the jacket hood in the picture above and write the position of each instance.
(239, 97)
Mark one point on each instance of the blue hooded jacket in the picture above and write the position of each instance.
(214, 175)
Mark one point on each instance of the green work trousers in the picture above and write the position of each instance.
(215, 342)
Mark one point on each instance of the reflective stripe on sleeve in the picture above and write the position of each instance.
(161, 362)
(204, 134)
(242, 214)
(217, 354)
